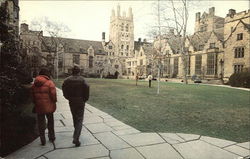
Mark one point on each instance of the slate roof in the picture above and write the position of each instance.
(74, 45)
(138, 44)
(199, 38)
(174, 43)
(148, 48)
(246, 25)
(220, 36)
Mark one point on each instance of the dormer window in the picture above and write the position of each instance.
(201, 47)
(110, 47)
(212, 45)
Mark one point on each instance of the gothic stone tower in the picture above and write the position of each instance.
(121, 33)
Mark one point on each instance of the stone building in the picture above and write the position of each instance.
(237, 39)
(140, 63)
(218, 48)
(94, 57)
(121, 35)
(31, 49)
(63, 53)
(12, 9)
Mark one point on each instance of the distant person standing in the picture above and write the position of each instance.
(136, 79)
(150, 77)
(44, 98)
(76, 90)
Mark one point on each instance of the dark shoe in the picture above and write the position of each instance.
(77, 143)
(43, 141)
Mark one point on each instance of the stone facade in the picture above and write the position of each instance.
(237, 37)
(140, 63)
(121, 35)
(41, 50)
(12, 8)
(214, 51)
(218, 48)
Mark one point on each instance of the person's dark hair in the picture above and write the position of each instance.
(44, 71)
(75, 70)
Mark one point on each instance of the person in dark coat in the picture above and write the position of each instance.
(44, 98)
(150, 77)
(76, 90)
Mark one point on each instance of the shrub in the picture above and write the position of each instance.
(241, 79)
(17, 128)
(93, 75)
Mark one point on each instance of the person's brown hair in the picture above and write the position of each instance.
(44, 71)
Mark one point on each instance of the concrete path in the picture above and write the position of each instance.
(104, 137)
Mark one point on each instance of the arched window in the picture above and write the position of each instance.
(122, 47)
(127, 47)
(91, 59)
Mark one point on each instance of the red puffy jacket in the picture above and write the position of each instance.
(44, 95)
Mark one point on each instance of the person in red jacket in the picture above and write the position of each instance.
(44, 98)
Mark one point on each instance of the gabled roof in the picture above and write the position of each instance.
(247, 26)
(219, 35)
(174, 43)
(75, 45)
(148, 48)
(199, 38)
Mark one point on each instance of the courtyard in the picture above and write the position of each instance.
(193, 109)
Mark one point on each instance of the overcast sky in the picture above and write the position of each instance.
(88, 19)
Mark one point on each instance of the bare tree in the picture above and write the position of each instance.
(173, 16)
(53, 43)
(103, 66)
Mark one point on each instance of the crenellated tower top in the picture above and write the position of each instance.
(117, 14)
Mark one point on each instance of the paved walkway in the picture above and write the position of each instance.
(104, 137)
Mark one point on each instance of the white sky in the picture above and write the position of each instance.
(88, 19)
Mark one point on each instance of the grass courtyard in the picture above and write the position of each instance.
(197, 109)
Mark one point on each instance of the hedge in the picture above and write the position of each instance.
(241, 79)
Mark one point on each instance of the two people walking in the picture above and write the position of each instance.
(75, 89)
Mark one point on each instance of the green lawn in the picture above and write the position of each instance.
(196, 109)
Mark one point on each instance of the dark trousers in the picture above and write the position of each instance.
(42, 125)
(149, 83)
(77, 111)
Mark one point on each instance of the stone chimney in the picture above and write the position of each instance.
(197, 16)
(24, 27)
(139, 40)
(211, 11)
(103, 36)
(231, 12)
